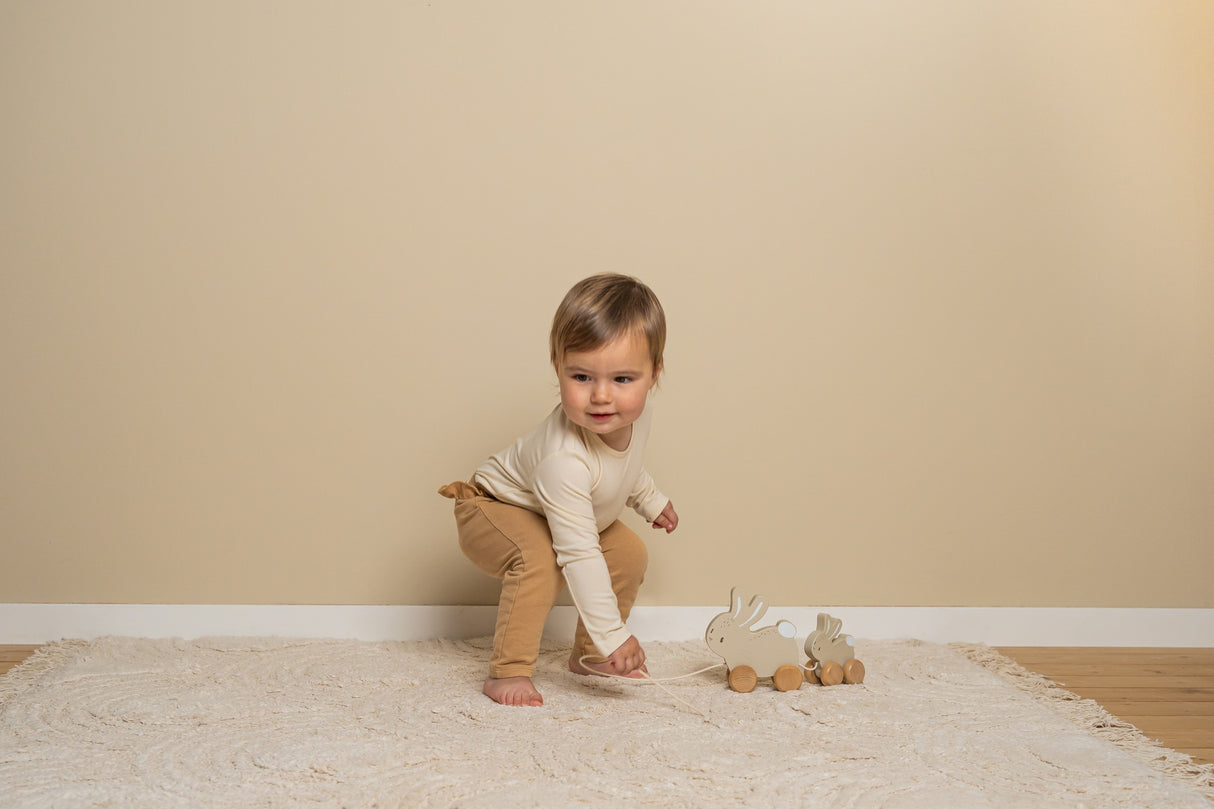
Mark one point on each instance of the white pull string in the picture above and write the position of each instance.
(645, 678)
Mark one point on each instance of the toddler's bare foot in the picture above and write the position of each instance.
(604, 668)
(512, 691)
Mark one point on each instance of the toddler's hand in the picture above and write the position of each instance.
(628, 658)
(668, 519)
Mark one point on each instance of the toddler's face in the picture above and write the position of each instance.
(605, 390)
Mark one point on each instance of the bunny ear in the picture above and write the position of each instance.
(758, 606)
(836, 624)
(822, 621)
(735, 602)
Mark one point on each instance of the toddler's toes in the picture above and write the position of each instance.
(516, 691)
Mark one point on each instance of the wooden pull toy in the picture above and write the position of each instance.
(832, 654)
(772, 651)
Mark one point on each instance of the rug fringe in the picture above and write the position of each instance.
(26, 674)
(1090, 716)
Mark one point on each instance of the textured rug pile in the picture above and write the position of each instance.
(241, 722)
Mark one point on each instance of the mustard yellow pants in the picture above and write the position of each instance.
(515, 545)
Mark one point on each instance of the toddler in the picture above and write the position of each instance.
(544, 512)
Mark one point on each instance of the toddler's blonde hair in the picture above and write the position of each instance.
(604, 307)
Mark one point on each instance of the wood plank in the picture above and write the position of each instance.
(1133, 681)
(1130, 707)
(1177, 739)
(1192, 752)
(15, 653)
(1032, 656)
(1106, 695)
(1072, 652)
(12, 655)
(1197, 743)
(1155, 668)
(1168, 724)
(1180, 738)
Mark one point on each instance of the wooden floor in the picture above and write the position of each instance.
(12, 655)
(1168, 694)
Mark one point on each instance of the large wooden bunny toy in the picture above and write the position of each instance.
(753, 653)
(831, 654)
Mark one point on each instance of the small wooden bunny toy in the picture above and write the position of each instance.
(753, 653)
(771, 651)
(832, 655)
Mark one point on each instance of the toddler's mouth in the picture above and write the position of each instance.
(601, 416)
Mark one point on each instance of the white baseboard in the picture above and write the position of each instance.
(996, 626)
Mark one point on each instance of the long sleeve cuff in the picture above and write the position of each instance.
(590, 585)
(652, 507)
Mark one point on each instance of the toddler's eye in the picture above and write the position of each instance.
(623, 380)
(581, 378)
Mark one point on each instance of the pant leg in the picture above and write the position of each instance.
(514, 545)
(627, 558)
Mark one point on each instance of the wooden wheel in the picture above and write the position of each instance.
(787, 678)
(811, 676)
(831, 674)
(742, 679)
(853, 671)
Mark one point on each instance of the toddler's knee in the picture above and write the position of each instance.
(639, 553)
(628, 552)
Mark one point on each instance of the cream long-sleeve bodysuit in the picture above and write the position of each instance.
(581, 486)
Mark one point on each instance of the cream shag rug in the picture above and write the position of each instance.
(240, 722)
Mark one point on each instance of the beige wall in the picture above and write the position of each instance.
(939, 275)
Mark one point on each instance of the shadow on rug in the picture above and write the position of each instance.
(242, 722)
